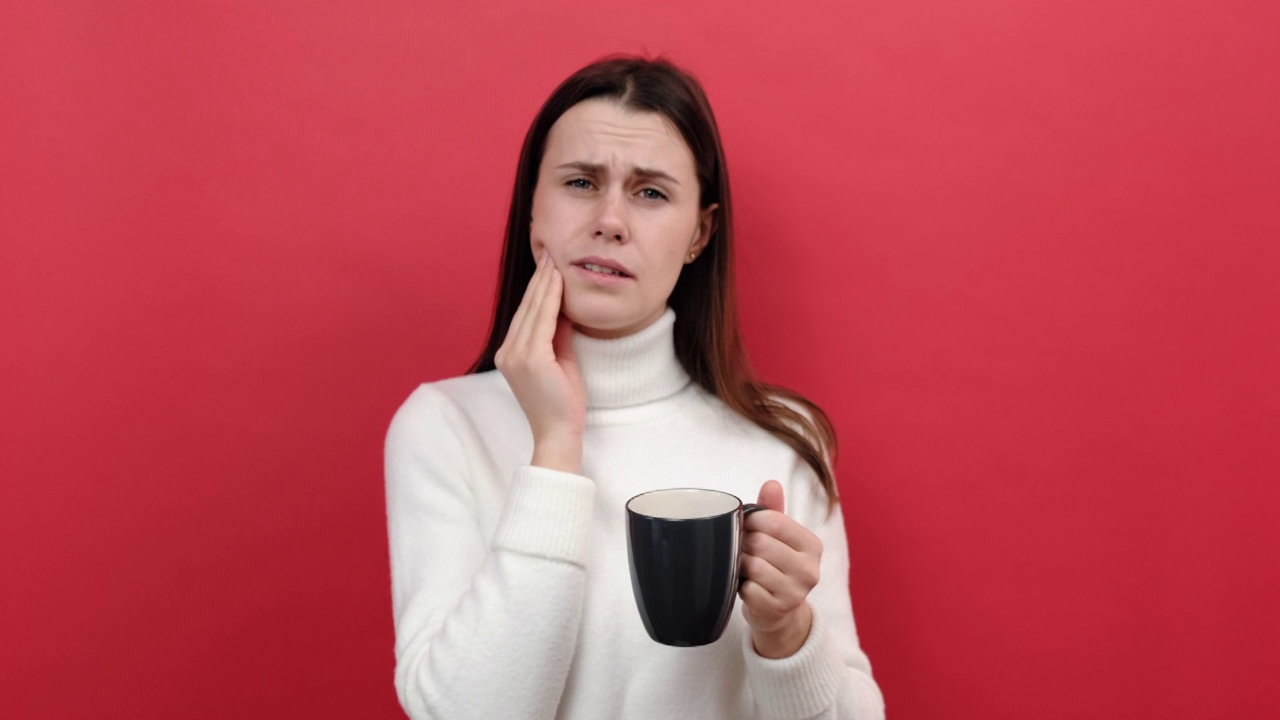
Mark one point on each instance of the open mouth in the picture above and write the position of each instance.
(592, 267)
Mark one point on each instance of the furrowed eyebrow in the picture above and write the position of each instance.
(596, 169)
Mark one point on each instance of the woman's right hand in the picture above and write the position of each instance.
(539, 363)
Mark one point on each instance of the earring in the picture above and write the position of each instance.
(692, 255)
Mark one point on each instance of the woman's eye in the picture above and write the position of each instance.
(652, 194)
(582, 183)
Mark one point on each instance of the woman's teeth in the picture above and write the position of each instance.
(601, 269)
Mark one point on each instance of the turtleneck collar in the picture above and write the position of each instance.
(633, 370)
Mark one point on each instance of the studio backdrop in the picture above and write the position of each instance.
(1024, 254)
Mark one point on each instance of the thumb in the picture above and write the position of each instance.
(771, 496)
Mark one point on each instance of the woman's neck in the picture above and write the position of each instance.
(635, 369)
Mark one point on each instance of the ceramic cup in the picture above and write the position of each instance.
(683, 545)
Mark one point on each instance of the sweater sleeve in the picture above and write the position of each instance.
(829, 677)
(482, 629)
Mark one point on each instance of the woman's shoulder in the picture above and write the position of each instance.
(475, 395)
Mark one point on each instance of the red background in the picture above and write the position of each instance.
(1024, 253)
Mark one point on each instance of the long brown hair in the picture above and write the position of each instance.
(707, 341)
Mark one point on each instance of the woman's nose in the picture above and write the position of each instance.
(612, 221)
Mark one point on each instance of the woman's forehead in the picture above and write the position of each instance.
(603, 133)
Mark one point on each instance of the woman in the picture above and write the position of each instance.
(613, 367)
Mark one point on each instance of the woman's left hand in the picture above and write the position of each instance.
(780, 559)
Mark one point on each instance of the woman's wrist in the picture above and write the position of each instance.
(562, 452)
(786, 640)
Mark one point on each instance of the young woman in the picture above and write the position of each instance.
(613, 367)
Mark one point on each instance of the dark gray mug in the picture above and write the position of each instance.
(683, 546)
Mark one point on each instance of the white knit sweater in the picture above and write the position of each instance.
(510, 587)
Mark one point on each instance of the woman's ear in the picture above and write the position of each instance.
(706, 226)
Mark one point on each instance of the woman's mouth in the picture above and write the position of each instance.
(602, 274)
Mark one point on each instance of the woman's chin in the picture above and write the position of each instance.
(598, 322)
(598, 327)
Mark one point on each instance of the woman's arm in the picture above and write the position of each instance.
(487, 629)
(829, 677)
(483, 630)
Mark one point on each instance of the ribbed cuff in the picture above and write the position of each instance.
(548, 514)
(800, 686)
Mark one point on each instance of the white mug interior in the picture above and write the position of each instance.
(683, 503)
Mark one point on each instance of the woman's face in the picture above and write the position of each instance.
(617, 189)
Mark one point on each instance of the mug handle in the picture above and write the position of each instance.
(747, 509)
